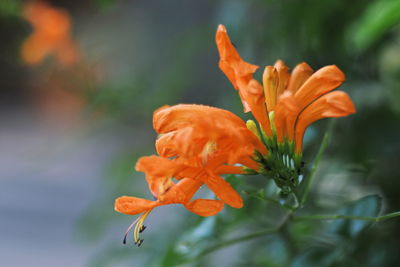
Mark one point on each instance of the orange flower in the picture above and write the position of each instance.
(205, 142)
(288, 103)
(160, 178)
(51, 34)
(194, 130)
(196, 145)
(179, 193)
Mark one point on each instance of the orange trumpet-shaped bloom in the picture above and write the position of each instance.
(205, 142)
(200, 131)
(333, 104)
(51, 34)
(305, 91)
(288, 102)
(179, 193)
(240, 73)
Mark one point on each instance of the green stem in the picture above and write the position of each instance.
(244, 238)
(272, 200)
(310, 179)
(350, 217)
(237, 240)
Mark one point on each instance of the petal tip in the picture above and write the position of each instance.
(221, 28)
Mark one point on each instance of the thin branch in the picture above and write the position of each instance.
(272, 200)
(244, 238)
(237, 240)
(350, 217)
(310, 179)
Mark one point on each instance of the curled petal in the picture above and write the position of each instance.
(321, 82)
(299, 75)
(159, 172)
(334, 104)
(253, 93)
(157, 166)
(224, 191)
(283, 76)
(166, 146)
(232, 65)
(133, 205)
(170, 118)
(205, 207)
(285, 117)
(270, 83)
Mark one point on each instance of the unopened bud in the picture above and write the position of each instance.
(252, 126)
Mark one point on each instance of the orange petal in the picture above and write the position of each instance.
(270, 83)
(205, 207)
(157, 166)
(321, 82)
(224, 191)
(283, 76)
(285, 117)
(196, 130)
(250, 163)
(133, 205)
(234, 67)
(334, 104)
(170, 118)
(159, 172)
(229, 169)
(182, 192)
(253, 93)
(166, 146)
(299, 75)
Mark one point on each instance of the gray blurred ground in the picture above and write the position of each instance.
(49, 176)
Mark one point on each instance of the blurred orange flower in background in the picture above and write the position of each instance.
(51, 34)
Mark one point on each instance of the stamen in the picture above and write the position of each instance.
(208, 149)
(129, 229)
(139, 228)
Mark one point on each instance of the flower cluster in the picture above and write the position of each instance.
(284, 105)
(197, 144)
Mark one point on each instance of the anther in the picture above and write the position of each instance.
(142, 229)
(139, 242)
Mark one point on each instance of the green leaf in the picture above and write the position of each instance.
(192, 243)
(369, 206)
(377, 20)
(10, 8)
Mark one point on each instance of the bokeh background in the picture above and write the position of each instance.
(73, 126)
